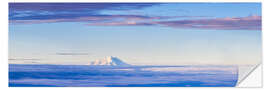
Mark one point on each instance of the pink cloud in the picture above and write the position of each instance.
(90, 19)
(197, 22)
(239, 23)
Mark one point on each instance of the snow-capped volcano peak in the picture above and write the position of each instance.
(109, 61)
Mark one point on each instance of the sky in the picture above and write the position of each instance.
(137, 33)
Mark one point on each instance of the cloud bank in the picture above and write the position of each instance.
(90, 14)
(240, 23)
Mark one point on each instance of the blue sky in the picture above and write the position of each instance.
(138, 33)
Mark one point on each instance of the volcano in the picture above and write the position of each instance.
(109, 61)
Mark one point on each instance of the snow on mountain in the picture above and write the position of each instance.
(109, 61)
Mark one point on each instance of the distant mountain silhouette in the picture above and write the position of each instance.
(109, 61)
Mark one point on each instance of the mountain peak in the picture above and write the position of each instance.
(109, 61)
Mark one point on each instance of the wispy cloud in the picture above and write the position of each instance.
(236, 23)
(89, 13)
(46, 11)
(230, 23)
(72, 53)
(89, 19)
(109, 20)
(78, 6)
(30, 59)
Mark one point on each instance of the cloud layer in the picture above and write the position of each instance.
(45, 11)
(90, 14)
(23, 59)
(85, 76)
(72, 54)
(240, 23)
